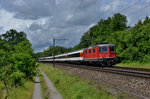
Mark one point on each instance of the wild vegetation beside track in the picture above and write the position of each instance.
(20, 92)
(71, 86)
(17, 64)
(134, 64)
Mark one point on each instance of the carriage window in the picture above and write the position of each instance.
(89, 50)
(85, 51)
(93, 50)
(112, 48)
(61, 57)
(104, 49)
(74, 55)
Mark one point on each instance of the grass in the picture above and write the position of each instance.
(71, 86)
(21, 92)
(44, 89)
(2, 91)
(134, 64)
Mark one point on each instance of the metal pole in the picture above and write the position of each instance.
(54, 41)
(53, 52)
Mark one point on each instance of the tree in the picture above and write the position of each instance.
(49, 51)
(24, 47)
(24, 63)
(13, 37)
(4, 62)
(86, 40)
(119, 22)
(16, 58)
(147, 20)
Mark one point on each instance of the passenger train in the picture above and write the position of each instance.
(102, 54)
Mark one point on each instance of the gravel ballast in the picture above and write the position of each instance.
(136, 86)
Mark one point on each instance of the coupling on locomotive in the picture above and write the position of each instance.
(100, 55)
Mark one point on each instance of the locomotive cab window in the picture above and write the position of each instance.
(112, 48)
(104, 49)
(93, 50)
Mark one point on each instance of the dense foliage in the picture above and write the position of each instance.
(16, 59)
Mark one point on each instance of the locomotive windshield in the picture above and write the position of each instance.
(104, 49)
(112, 48)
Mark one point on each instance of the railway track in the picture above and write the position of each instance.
(136, 72)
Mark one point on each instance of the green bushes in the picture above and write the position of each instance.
(146, 58)
(4, 58)
(24, 63)
(16, 59)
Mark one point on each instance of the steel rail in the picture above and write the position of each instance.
(137, 72)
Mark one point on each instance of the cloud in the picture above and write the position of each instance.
(1, 30)
(43, 20)
(8, 22)
(112, 6)
(29, 9)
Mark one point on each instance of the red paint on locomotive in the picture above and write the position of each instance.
(101, 51)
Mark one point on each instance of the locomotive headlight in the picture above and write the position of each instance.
(114, 57)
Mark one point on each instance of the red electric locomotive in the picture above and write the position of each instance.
(101, 54)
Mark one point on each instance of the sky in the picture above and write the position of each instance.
(43, 20)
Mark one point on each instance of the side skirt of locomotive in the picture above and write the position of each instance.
(101, 61)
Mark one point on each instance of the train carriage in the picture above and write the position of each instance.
(75, 56)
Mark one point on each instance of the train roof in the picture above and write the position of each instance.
(49, 57)
(100, 45)
(41, 58)
(60, 55)
(73, 52)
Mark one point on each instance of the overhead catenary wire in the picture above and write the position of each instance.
(113, 12)
(139, 10)
(76, 11)
(110, 11)
(129, 6)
